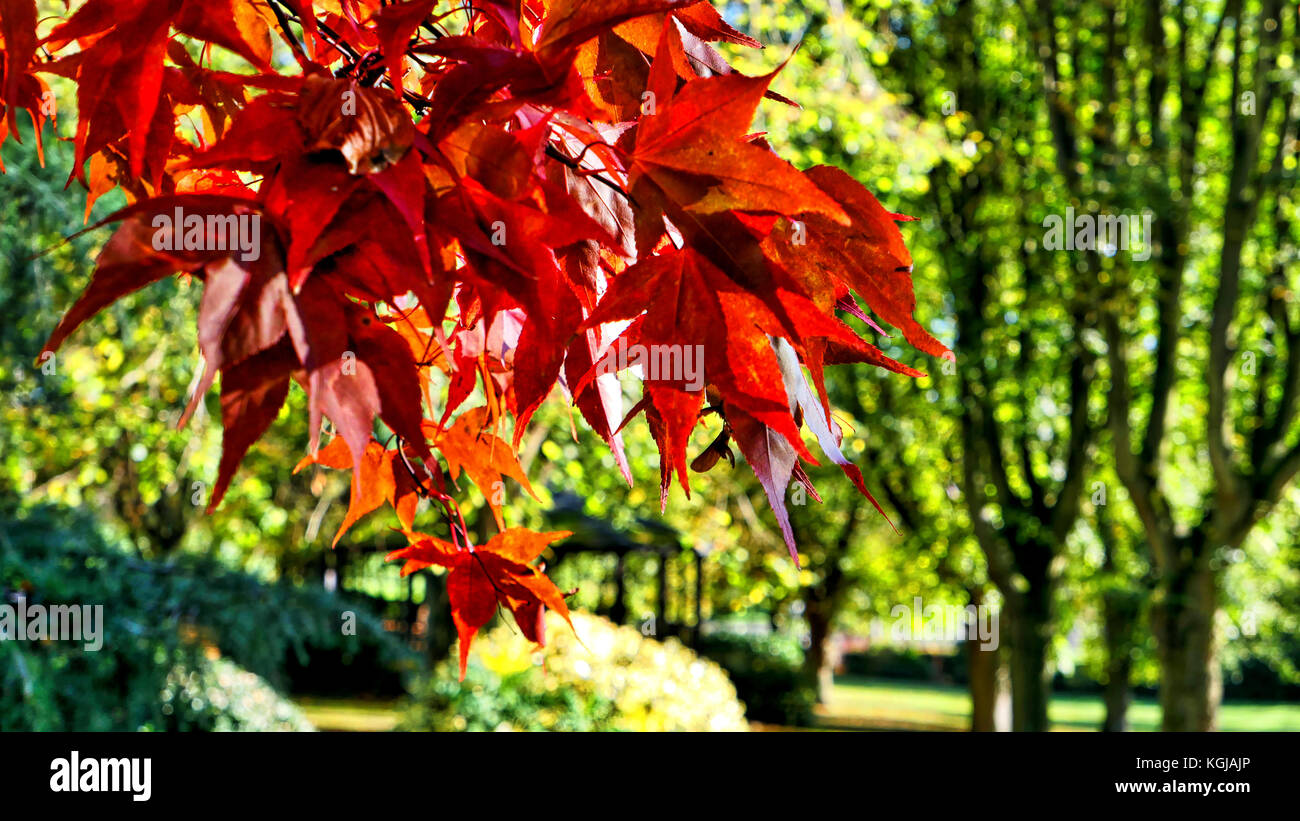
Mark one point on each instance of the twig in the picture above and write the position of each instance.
(288, 32)
(555, 154)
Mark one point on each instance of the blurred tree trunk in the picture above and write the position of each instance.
(822, 602)
(1122, 602)
(988, 690)
(1022, 553)
(1190, 675)
(1029, 617)
(1122, 608)
(983, 671)
(817, 661)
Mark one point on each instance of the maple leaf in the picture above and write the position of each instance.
(817, 418)
(124, 43)
(617, 74)
(394, 25)
(18, 30)
(486, 458)
(569, 23)
(370, 129)
(387, 476)
(773, 461)
(691, 158)
(695, 307)
(20, 89)
(868, 255)
(483, 577)
(133, 258)
(672, 414)
(252, 393)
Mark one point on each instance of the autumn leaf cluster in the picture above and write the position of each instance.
(496, 192)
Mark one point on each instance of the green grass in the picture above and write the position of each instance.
(880, 704)
(863, 703)
(349, 715)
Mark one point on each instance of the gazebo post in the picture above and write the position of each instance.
(699, 597)
(618, 613)
(661, 599)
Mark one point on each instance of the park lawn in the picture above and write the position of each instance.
(878, 704)
(865, 703)
(349, 715)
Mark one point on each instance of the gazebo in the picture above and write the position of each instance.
(593, 535)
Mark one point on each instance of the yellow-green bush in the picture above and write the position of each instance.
(605, 677)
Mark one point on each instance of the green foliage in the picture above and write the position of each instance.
(975, 72)
(890, 663)
(768, 674)
(220, 696)
(487, 701)
(163, 623)
(606, 677)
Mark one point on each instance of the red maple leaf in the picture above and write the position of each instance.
(483, 577)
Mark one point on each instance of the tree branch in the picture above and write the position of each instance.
(1152, 508)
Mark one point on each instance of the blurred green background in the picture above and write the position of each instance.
(1107, 462)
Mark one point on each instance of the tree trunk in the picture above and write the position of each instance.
(984, 690)
(1117, 698)
(821, 602)
(987, 685)
(1191, 681)
(1002, 706)
(818, 668)
(1030, 629)
(439, 632)
(1122, 609)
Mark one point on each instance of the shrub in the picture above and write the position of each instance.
(613, 679)
(220, 696)
(904, 663)
(768, 674)
(164, 624)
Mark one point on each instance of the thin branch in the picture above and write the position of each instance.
(555, 154)
(288, 32)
